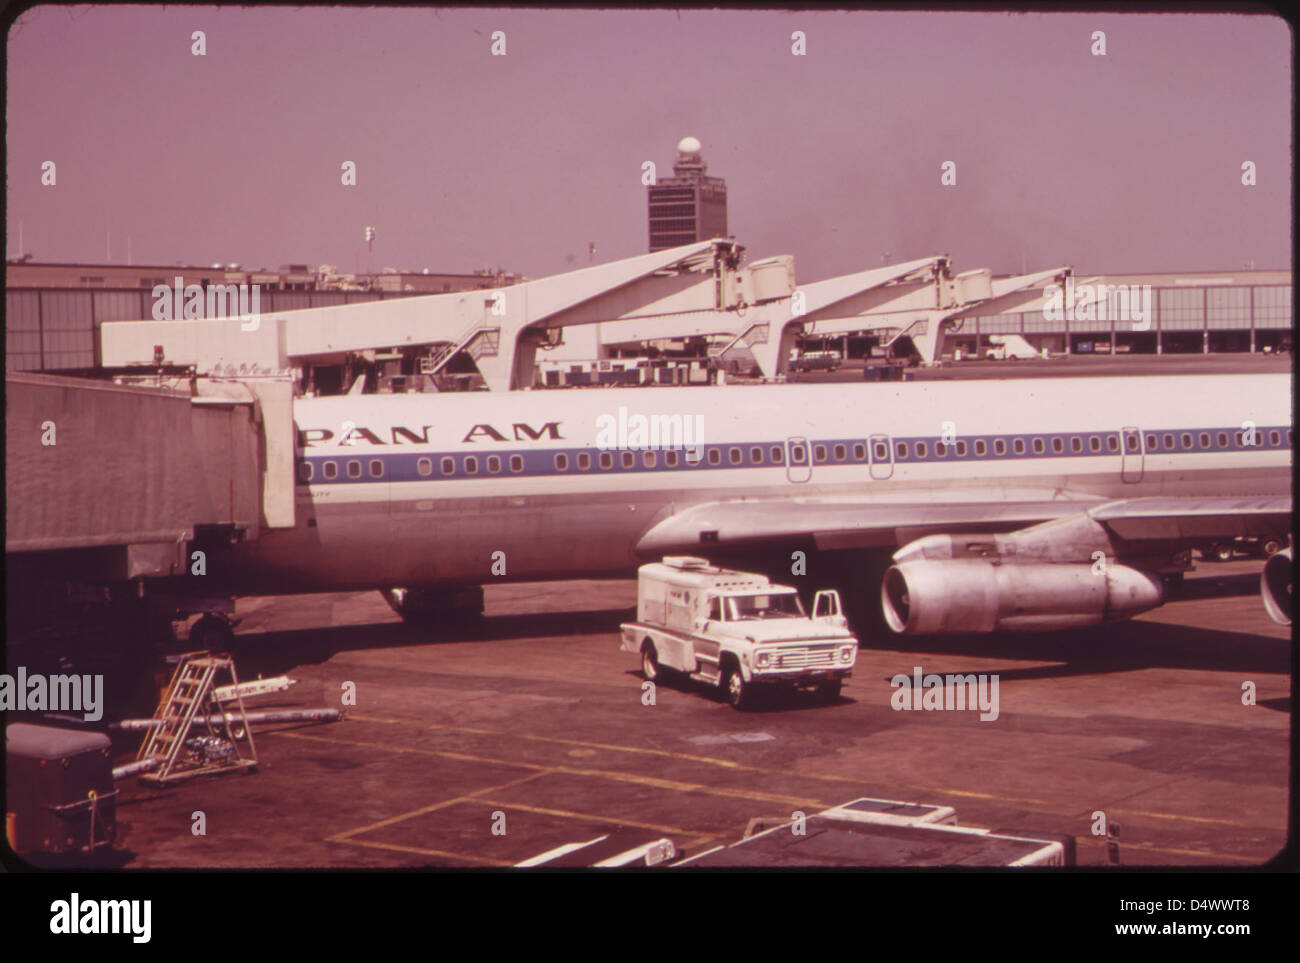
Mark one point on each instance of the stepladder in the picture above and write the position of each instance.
(201, 725)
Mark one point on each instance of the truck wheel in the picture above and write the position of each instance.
(1270, 546)
(738, 693)
(1221, 551)
(650, 667)
(830, 691)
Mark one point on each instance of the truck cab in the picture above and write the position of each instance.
(737, 631)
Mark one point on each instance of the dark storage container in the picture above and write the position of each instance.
(59, 790)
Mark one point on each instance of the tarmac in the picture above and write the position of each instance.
(488, 746)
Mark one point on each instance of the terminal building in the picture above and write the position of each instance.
(688, 207)
(53, 310)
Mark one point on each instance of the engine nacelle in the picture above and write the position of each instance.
(975, 595)
(1275, 586)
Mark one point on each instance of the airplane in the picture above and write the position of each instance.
(935, 506)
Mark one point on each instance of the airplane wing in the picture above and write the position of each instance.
(847, 524)
(1041, 560)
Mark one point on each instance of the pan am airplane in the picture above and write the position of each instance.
(942, 507)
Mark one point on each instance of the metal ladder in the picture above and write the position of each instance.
(192, 695)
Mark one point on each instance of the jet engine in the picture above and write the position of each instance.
(1275, 586)
(975, 595)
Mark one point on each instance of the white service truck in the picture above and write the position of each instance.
(736, 630)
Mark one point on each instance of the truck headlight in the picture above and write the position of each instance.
(763, 660)
(846, 654)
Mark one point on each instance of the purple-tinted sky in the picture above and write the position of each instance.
(1127, 162)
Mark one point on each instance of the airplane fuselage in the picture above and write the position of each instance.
(423, 489)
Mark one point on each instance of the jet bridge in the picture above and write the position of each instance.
(108, 482)
(500, 328)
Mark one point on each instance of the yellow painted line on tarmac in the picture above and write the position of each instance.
(346, 834)
(740, 766)
(1142, 847)
(651, 781)
(423, 852)
(587, 817)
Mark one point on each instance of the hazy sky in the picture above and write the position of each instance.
(1130, 161)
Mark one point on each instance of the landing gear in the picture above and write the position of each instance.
(456, 606)
(212, 633)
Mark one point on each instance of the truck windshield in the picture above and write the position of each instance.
(783, 606)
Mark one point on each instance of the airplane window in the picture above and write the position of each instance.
(1169, 442)
(1112, 443)
(1223, 439)
(516, 463)
(778, 456)
(354, 468)
(1153, 442)
(859, 452)
(494, 464)
(841, 452)
(901, 449)
(376, 468)
(1094, 443)
(819, 453)
(715, 456)
(1076, 444)
(1288, 435)
(331, 470)
(1187, 441)
(1274, 438)
(629, 460)
(670, 459)
(940, 449)
(471, 465)
(1018, 445)
(561, 462)
(606, 460)
(921, 449)
(1131, 442)
(999, 446)
(735, 456)
(584, 461)
(1236, 438)
(305, 471)
(649, 458)
(981, 448)
(449, 466)
(798, 455)
(756, 455)
(882, 451)
(1058, 445)
(1205, 439)
(1039, 447)
(424, 466)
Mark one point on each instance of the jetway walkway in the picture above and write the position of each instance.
(120, 477)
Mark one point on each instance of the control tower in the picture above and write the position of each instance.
(689, 206)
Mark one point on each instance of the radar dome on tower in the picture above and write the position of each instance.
(688, 145)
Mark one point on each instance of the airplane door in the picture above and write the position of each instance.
(1131, 465)
(798, 460)
(882, 456)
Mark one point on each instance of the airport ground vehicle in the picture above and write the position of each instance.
(1263, 546)
(816, 361)
(736, 630)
